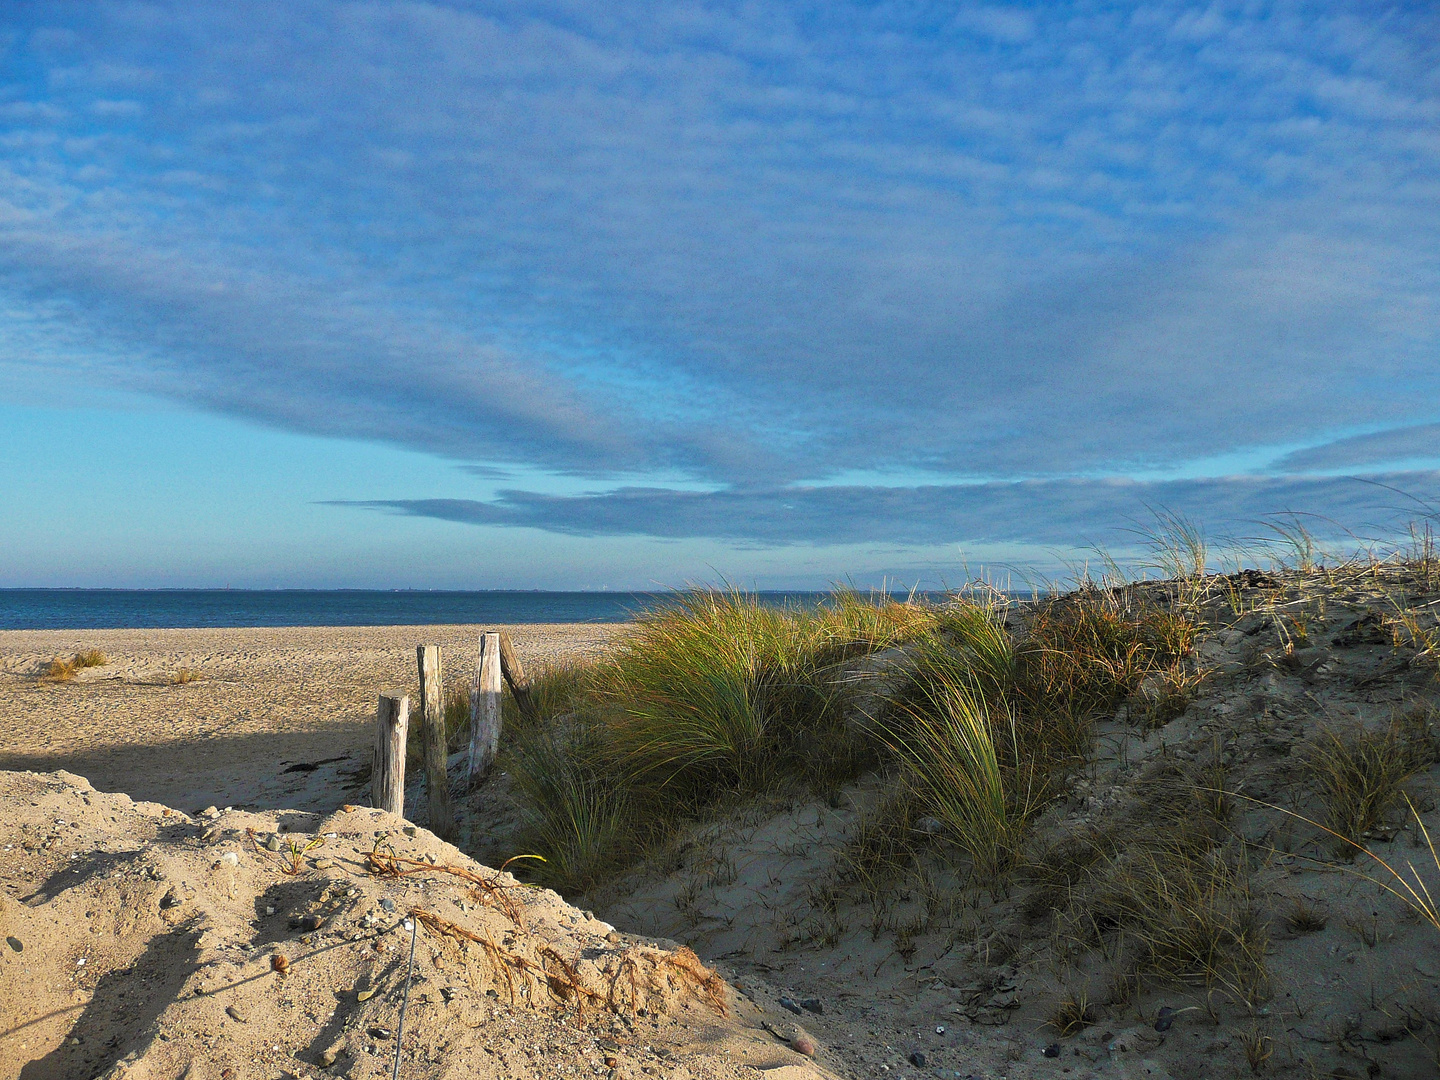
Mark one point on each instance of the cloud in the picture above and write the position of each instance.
(1418, 442)
(755, 246)
(1060, 512)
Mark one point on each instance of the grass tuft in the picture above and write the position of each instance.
(185, 675)
(88, 658)
(59, 670)
(1360, 775)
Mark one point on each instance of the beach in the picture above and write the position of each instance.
(261, 701)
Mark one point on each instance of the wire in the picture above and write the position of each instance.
(405, 1000)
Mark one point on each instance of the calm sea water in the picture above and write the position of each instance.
(100, 609)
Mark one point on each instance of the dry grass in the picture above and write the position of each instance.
(1185, 910)
(88, 658)
(1305, 917)
(59, 670)
(1073, 1013)
(1359, 775)
(185, 675)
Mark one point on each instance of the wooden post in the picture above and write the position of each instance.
(484, 710)
(387, 776)
(514, 673)
(435, 745)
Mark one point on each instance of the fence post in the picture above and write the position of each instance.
(514, 673)
(484, 710)
(435, 745)
(387, 775)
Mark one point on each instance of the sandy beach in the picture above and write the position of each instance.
(264, 700)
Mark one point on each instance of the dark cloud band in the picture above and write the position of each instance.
(1063, 512)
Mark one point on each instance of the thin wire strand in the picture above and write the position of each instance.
(405, 1000)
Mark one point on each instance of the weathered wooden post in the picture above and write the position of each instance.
(387, 774)
(514, 673)
(484, 710)
(434, 744)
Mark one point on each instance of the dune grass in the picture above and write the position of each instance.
(715, 698)
(61, 669)
(1359, 775)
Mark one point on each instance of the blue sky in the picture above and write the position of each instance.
(581, 295)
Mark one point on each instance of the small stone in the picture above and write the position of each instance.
(939, 1029)
(929, 826)
(230, 858)
(612, 1062)
(322, 864)
(387, 903)
(234, 1012)
(15, 943)
(273, 844)
(170, 899)
(409, 830)
(1052, 1051)
(269, 909)
(803, 1044)
(917, 1058)
(449, 993)
(364, 995)
(381, 1033)
(1165, 1018)
(790, 1006)
(813, 1005)
(210, 812)
(326, 1058)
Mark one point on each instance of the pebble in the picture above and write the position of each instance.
(322, 864)
(917, 1059)
(233, 1011)
(1052, 1051)
(813, 1005)
(381, 1033)
(15, 943)
(230, 858)
(790, 1006)
(387, 903)
(1165, 1019)
(409, 830)
(273, 844)
(170, 899)
(803, 1044)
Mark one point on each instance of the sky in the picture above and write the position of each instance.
(577, 295)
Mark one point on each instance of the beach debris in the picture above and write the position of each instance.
(279, 963)
(235, 1013)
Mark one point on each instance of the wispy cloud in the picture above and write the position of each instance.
(1060, 512)
(750, 246)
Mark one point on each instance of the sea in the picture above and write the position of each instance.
(103, 609)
